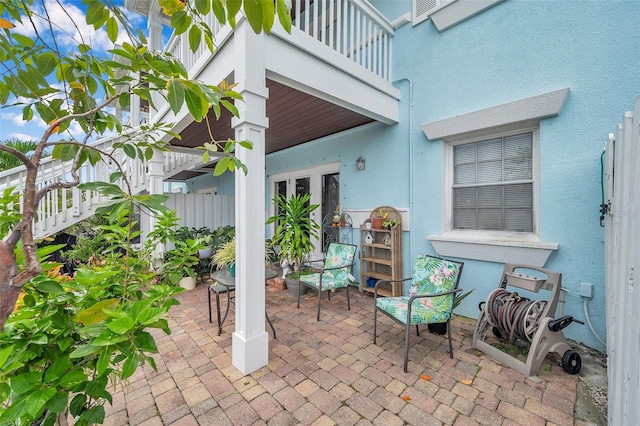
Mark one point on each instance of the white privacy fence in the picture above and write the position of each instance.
(622, 264)
(203, 210)
(63, 207)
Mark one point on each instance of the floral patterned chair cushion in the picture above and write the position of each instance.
(333, 276)
(431, 276)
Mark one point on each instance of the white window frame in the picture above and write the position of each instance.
(493, 246)
(511, 118)
(448, 180)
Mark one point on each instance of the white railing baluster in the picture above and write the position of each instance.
(332, 26)
(296, 20)
(315, 20)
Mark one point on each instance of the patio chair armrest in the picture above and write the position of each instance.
(322, 270)
(444, 293)
(311, 262)
(375, 288)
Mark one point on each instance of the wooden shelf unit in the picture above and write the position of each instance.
(379, 260)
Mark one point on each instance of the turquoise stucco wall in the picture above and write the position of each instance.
(514, 50)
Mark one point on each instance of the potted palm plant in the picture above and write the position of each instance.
(295, 231)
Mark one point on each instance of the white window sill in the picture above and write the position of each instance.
(510, 248)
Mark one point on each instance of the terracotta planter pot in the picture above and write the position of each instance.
(377, 222)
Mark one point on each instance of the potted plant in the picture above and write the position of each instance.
(390, 223)
(295, 230)
(379, 219)
(225, 256)
(181, 263)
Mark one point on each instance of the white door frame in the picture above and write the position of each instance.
(315, 188)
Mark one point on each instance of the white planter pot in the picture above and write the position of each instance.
(206, 252)
(188, 283)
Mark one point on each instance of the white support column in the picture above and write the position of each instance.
(250, 343)
(154, 28)
(155, 185)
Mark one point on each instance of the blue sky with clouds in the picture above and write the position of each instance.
(61, 13)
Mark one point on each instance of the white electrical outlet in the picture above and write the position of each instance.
(586, 290)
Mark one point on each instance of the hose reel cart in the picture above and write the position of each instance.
(512, 317)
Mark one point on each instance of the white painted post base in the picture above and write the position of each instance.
(250, 355)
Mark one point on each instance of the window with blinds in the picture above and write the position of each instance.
(493, 184)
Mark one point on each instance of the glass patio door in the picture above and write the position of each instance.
(309, 181)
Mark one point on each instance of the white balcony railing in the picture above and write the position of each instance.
(353, 28)
(63, 207)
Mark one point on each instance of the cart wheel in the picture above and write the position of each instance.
(571, 362)
(497, 332)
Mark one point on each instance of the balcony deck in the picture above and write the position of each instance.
(330, 74)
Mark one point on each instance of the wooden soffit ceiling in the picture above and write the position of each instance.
(295, 117)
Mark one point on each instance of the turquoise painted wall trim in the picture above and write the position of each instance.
(528, 109)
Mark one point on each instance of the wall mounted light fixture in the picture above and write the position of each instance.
(360, 163)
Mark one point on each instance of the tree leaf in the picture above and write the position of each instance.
(115, 176)
(46, 62)
(268, 15)
(58, 402)
(284, 15)
(84, 350)
(95, 313)
(195, 38)
(203, 6)
(94, 415)
(129, 366)
(129, 150)
(218, 11)
(77, 404)
(94, 13)
(64, 152)
(175, 94)
(112, 29)
(4, 354)
(195, 103)
(57, 369)
(121, 325)
(49, 286)
(36, 401)
(73, 377)
(103, 361)
(6, 24)
(233, 7)
(180, 21)
(253, 12)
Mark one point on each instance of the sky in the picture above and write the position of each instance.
(11, 123)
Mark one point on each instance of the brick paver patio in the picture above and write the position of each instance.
(330, 372)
